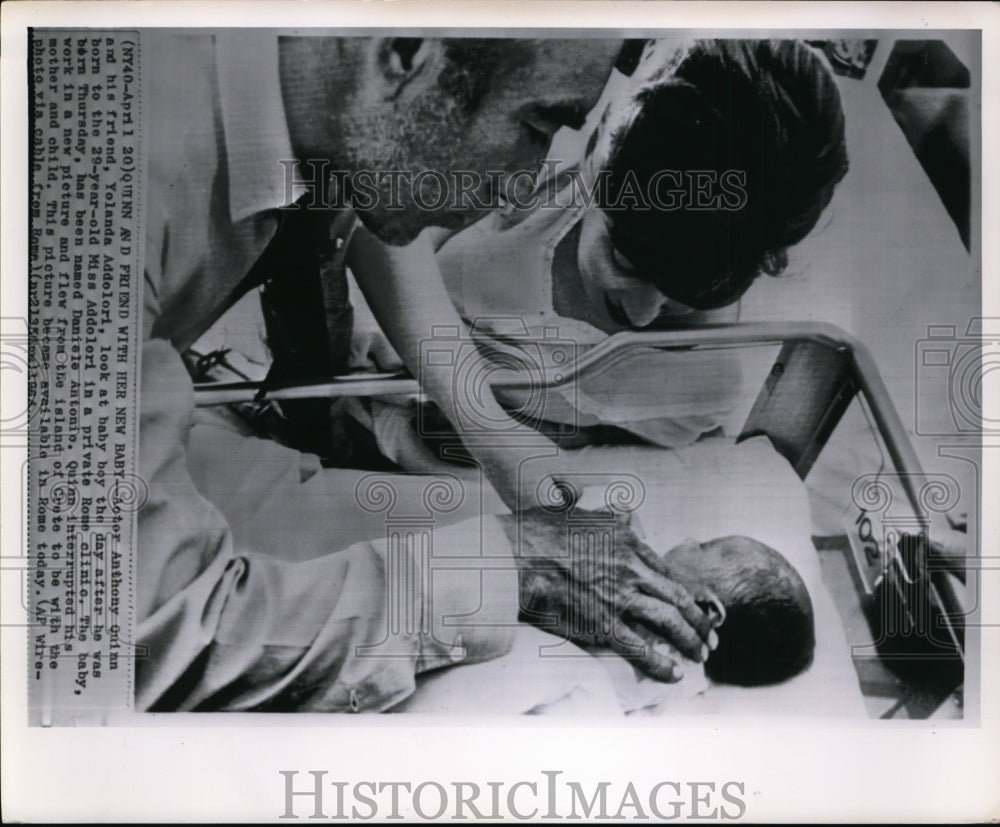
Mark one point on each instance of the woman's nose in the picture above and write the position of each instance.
(643, 304)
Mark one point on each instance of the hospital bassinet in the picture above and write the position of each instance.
(816, 394)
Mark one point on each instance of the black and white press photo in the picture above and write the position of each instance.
(624, 374)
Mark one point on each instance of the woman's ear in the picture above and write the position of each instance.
(402, 63)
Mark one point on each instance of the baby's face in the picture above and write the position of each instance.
(720, 562)
(737, 568)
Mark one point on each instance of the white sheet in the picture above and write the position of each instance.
(714, 489)
(710, 489)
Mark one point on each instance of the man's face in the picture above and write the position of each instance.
(503, 127)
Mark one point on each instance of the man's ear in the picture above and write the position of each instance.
(405, 64)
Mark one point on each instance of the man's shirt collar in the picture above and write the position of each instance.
(255, 124)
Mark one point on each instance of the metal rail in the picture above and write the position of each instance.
(617, 346)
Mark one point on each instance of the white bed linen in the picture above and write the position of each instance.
(280, 503)
(713, 489)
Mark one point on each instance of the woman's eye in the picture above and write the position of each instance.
(621, 260)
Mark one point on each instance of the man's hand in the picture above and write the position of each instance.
(591, 579)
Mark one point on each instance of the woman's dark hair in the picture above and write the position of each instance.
(769, 110)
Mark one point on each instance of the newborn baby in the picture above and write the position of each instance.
(768, 635)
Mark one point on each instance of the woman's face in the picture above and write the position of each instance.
(619, 299)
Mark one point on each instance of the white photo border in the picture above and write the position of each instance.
(226, 768)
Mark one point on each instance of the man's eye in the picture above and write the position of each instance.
(537, 136)
(621, 260)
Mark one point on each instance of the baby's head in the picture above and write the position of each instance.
(768, 635)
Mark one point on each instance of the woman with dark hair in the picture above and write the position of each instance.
(700, 181)
(764, 114)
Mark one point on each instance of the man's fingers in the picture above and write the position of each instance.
(703, 619)
(699, 605)
(667, 588)
(654, 659)
(669, 624)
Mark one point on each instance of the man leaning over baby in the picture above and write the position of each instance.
(228, 629)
